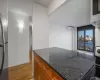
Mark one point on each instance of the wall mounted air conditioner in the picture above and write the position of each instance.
(96, 24)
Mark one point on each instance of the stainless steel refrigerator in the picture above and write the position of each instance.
(3, 50)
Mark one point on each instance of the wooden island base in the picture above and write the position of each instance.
(42, 71)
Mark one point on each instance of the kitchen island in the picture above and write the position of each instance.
(61, 64)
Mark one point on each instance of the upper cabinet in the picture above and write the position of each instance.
(96, 7)
(72, 13)
(95, 10)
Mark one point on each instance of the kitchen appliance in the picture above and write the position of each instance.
(3, 43)
(94, 73)
(97, 51)
(97, 55)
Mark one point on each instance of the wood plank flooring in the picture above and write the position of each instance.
(21, 72)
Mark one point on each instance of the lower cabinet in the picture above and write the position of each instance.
(43, 71)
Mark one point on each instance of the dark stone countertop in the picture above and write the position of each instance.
(70, 65)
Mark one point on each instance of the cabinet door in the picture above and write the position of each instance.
(36, 70)
(55, 76)
(43, 71)
(39, 73)
(44, 76)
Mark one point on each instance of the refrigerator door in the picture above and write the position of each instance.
(1, 58)
(6, 47)
(2, 46)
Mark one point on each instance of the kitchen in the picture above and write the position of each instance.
(63, 42)
(63, 34)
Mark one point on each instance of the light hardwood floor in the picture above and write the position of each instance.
(21, 72)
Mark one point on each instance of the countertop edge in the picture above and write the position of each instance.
(50, 66)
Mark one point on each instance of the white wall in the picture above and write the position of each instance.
(40, 27)
(24, 7)
(3, 7)
(95, 18)
(18, 42)
(61, 37)
(72, 13)
(54, 5)
(97, 36)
